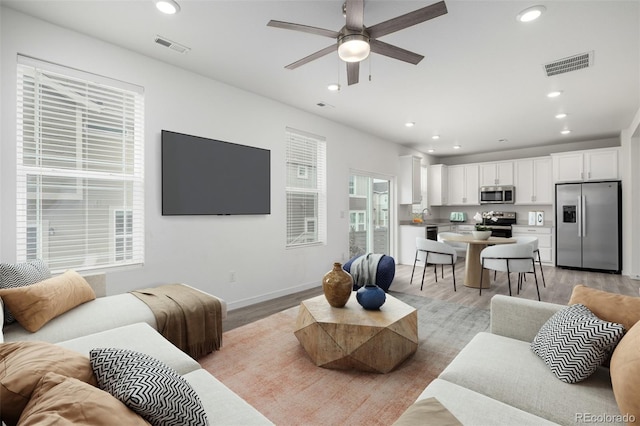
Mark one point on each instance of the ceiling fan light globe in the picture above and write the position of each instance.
(354, 48)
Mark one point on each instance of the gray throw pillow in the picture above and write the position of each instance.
(147, 386)
(19, 275)
(574, 342)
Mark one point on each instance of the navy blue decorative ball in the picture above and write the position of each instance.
(371, 297)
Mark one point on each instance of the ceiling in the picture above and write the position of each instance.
(482, 84)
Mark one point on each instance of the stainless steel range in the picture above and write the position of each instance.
(499, 223)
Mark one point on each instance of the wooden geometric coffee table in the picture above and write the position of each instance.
(352, 337)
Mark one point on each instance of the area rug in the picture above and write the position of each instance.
(264, 364)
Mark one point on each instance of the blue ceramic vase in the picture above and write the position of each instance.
(371, 297)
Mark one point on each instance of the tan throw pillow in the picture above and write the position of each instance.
(35, 305)
(65, 400)
(625, 374)
(607, 306)
(22, 365)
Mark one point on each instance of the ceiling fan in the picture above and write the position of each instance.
(354, 41)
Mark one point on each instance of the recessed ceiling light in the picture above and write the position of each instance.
(566, 132)
(170, 7)
(554, 94)
(457, 146)
(435, 137)
(334, 87)
(531, 13)
(431, 150)
(410, 123)
(561, 115)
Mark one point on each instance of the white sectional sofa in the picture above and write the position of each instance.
(123, 321)
(497, 380)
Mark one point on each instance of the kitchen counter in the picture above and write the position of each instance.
(547, 224)
(435, 222)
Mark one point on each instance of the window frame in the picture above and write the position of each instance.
(308, 152)
(105, 147)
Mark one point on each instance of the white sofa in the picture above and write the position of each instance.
(496, 379)
(124, 321)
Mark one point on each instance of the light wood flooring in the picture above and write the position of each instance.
(559, 284)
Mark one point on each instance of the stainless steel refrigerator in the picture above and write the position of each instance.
(589, 226)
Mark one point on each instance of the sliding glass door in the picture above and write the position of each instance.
(369, 214)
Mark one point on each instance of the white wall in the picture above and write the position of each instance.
(630, 158)
(198, 250)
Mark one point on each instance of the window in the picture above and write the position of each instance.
(80, 176)
(306, 191)
(123, 234)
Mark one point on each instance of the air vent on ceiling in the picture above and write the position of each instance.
(171, 44)
(572, 63)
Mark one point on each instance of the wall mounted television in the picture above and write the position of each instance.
(203, 176)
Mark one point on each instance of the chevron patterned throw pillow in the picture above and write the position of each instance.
(147, 386)
(574, 342)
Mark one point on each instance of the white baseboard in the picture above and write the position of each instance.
(268, 296)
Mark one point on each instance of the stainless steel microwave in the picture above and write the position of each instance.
(497, 195)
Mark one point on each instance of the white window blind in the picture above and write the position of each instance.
(306, 189)
(80, 171)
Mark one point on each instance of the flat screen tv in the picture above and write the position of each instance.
(203, 176)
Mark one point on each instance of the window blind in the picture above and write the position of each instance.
(80, 168)
(306, 189)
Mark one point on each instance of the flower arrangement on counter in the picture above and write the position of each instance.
(482, 218)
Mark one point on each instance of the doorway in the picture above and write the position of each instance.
(369, 214)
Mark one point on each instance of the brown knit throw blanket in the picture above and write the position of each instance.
(188, 318)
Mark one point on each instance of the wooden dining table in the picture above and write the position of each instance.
(473, 271)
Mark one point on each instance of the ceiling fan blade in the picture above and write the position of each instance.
(313, 56)
(355, 14)
(353, 72)
(395, 52)
(407, 20)
(303, 28)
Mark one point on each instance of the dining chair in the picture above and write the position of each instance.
(461, 248)
(434, 253)
(536, 252)
(509, 258)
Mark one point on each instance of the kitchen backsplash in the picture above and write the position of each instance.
(406, 212)
(522, 212)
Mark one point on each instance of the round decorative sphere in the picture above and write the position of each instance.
(371, 297)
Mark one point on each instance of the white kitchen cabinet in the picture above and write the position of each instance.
(437, 185)
(590, 165)
(500, 173)
(463, 185)
(601, 164)
(544, 235)
(410, 180)
(534, 182)
(444, 228)
(465, 229)
(407, 238)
